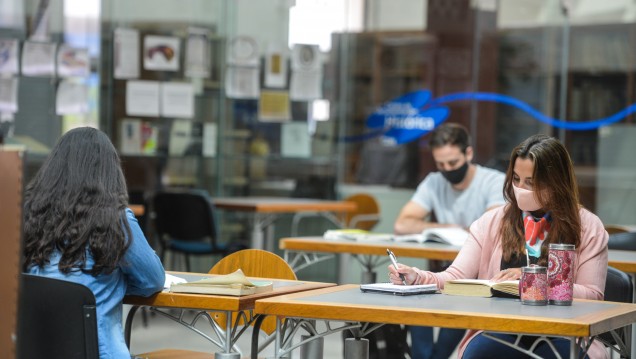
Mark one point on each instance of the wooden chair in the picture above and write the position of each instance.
(253, 263)
(615, 228)
(365, 217)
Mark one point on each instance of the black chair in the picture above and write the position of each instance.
(625, 241)
(56, 319)
(185, 223)
(618, 288)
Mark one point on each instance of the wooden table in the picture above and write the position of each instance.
(297, 249)
(266, 209)
(346, 303)
(212, 303)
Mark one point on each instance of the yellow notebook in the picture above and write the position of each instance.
(234, 284)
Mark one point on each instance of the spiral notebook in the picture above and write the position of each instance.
(397, 289)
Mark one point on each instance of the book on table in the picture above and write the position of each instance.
(481, 288)
(454, 236)
(234, 284)
(356, 235)
(397, 289)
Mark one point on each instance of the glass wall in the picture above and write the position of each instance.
(290, 98)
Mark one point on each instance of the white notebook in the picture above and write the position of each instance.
(398, 289)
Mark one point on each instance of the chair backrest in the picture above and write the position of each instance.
(625, 241)
(618, 288)
(254, 263)
(186, 215)
(615, 228)
(56, 319)
(367, 214)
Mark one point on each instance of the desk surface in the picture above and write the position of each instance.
(401, 249)
(219, 302)
(623, 260)
(347, 303)
(282, 205)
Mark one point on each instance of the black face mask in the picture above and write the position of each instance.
(457, 175)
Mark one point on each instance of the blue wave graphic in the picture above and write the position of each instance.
(422, 100)
(574, 126)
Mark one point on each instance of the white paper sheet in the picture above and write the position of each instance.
(197, 53)
(209, 139)
(295, 140)
(38, 59)
(9, 56)
(306, 85)
(126, 53)
(9, 95)
(142, 98)
(72, 61)
(161, 53)
(177, 100)
(72, 98)
(244, 51)
(130, 136)
(242, 82)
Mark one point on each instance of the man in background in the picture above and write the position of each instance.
(458, 194)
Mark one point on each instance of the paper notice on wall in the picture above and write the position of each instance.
(177, 100)
(9, 95)
(126, 53)
(209, 139)
(142, 98)
(295, 140)
(130, 136)
(72, 61)
(197, 53)
(38, 59)
(275, 68)
(243, 51)
(161, 53)
(72, 98)
(274, 106)
(306, 85)
(242, 82)
(9, 52)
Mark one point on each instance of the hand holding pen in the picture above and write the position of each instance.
(395, 265)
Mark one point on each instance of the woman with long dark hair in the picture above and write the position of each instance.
(542, 208)
(77, 227)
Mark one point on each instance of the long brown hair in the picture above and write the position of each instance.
(554, 183)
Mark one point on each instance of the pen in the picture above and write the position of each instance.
(394, 261)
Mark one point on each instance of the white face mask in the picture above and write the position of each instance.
(525, 199)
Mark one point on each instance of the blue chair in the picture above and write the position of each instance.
(618, 288)
(57, 319)
(185, 223)
(625, 241)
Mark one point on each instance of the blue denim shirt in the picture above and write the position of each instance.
(139, 273)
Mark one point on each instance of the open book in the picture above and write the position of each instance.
(235, 284)
(398, 289)
(454, 236)
(481, 287)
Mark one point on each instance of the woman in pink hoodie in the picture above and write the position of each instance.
(542, 208)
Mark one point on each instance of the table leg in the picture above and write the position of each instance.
(257, 232)
(356, 348)
(227, 345)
